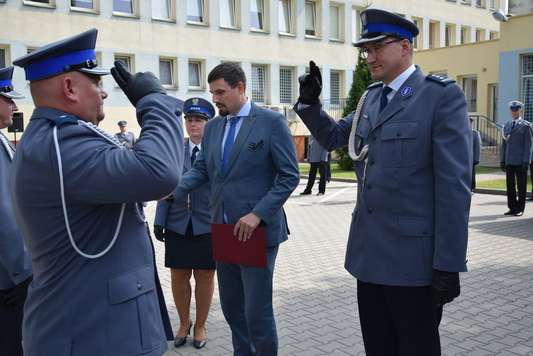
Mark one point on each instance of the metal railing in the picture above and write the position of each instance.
(334, 107)
(490, 132)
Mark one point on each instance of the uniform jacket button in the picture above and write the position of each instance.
(369, 210)
(139, 286)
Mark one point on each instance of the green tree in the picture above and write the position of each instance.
(362, 78)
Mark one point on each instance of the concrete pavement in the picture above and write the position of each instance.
(315, 298)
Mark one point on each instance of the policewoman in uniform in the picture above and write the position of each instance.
(185, 227)
(125, 137)
(75, 193)
(16, 268)
(411, 143)
(515, 157)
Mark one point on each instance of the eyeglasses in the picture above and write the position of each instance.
(365, 52)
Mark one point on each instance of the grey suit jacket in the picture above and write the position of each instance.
(261, 174)
(413, 204)
(175, 215)
(516, 143)
(108, 305)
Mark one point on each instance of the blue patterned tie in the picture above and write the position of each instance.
(228, 144)
(383, 102)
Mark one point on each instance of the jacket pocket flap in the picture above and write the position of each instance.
(400, 130)
(363, 128)
(416, 227)
(130, 284)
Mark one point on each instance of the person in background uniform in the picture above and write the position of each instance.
(531, 174)
(16, 268)
(248, 156)
(476, 141)
(75, 192)
(185, 227)
(125, 137)
(317, 158)
(411, 143)
(515, 157)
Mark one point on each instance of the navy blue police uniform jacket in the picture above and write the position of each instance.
(107, 305)
(412, 209)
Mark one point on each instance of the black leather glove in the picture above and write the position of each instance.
(310, 85)
(445, 287)
(159, 232)
(138, 85)
(476, 163)
(502, 166)
(525, 166)
(18, 296)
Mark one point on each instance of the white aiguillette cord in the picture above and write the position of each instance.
(62, 189)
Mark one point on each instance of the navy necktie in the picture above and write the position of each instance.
(193, 156)
(383, 102)
(228, 144)
(512, 126)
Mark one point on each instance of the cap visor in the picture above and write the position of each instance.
(95, 71)
(362, 41)
(197, 113)
(12, 95)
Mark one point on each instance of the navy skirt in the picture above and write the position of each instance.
(188, 251)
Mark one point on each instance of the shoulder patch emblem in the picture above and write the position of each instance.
(440, 79)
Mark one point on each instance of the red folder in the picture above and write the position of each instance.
(227, 247)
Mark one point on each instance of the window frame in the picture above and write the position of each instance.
(173, 72)
(340, 75)
(262, 16)
(134, 7)
(526, 85)
(286, 13)
(283, 90)
(50, 4)
(95, 7)
(314, 19)
(264, 85)
(234, 11)
(340, 22)
(171, 4)
(200, 65)
(203, 7)
(5, 57)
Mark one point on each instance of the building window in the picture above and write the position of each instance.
(432, 35)
(447, 35)
(464, 35)
(470, 88)
(82, 4)
(493, 35)
(161, 9)
(38, 2)
(310, 19)
(259, 83)
(335, 22)
(478, 35)
(415, 40)
(195, 11)
(527, 86)
(466, 2)
(3, 53)
(227, 13)
(257, 15)
(285, 16)
(124, 6)
(196, 75)
(166, 72)
(286, 85)
(335, 79)
(356, 25)
(126, 60)
(480, 3)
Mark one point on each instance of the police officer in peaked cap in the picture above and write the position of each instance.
(411, 144)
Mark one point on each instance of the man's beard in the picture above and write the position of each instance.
(223, 112)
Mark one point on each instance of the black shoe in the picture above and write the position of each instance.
(519, 213)
(320, 193)
(305, 192)
(510, 212)
(530, 199)
(199, 344)
(180, 341)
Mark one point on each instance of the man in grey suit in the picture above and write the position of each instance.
(16, 269)
(250, 184)
(411, 143)
(515, 157)
(76, 194)
(317, 157)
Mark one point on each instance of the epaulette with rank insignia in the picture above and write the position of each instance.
(63, 119)
(442, 79)
(373, 85)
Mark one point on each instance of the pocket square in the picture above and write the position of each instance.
(252, 146)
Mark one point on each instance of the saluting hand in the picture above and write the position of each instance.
(310, 85)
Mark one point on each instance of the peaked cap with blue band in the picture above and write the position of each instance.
(73, 53)
(198, 106)
(379, 24)
(6, 84)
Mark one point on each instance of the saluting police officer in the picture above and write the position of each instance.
(515, 157)
(412, 148)
(125, 137)
(75, 193)
(16, 269)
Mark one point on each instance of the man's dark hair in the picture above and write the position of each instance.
(231, 72)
